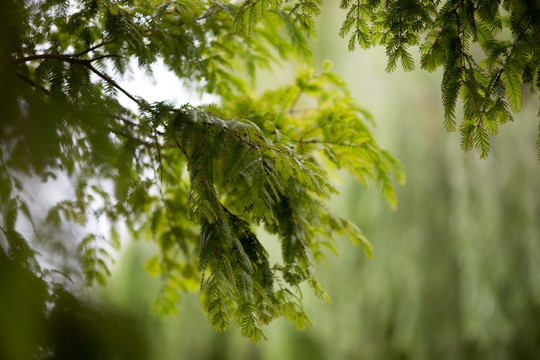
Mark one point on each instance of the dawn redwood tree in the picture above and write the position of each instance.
(197, 180)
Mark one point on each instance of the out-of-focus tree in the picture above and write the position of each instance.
(455, 273)
(455, 269)
(32, 329)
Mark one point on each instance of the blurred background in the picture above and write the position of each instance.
(456, 268)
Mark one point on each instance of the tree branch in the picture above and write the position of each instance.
(142, 103)
(333, 143)
(93, 48)
(60, 57)
(129, 137)
(88, 64)
(32, 83)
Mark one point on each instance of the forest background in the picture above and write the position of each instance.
(456, 268)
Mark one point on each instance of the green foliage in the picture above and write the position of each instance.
(197, 180)
(488, 50)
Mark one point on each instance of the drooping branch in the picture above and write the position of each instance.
(88, 64)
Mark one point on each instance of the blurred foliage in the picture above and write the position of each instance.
(456, 270)
(63, 327)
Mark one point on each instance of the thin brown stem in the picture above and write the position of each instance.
(142, 103)
(32, 83)
(95, 47)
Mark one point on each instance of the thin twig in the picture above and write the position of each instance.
(142, 103)
(129, 137)
(93, 48)
(105, 57)
(32, 83)
(317, 141)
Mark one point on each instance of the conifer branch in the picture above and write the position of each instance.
(507, 59)
(159, 185)
(180, 147)
(88, 64)
(142, 103)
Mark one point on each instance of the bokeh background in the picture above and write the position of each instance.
(456, 268)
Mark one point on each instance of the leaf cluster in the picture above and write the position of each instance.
(488, 51)
(196, 180)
